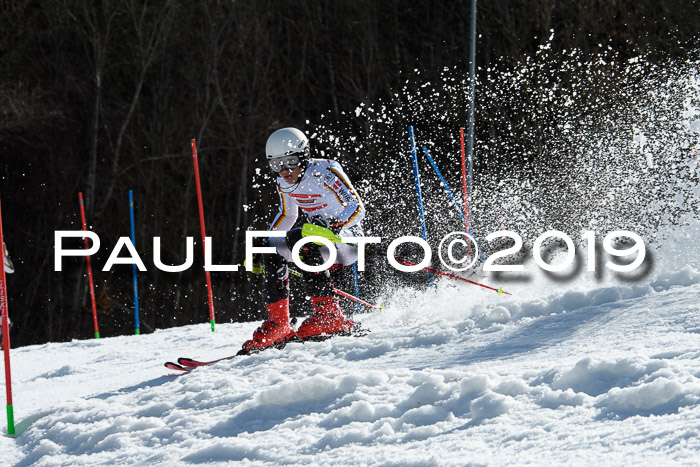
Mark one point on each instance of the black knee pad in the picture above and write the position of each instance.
(310, 253)
(276, 278)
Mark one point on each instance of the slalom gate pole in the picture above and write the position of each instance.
(4, 313)
(344, 294)
(89, 268)
(311, 229)
(444, 183)
(357, 285)
(133, 241)
(465, 194)
(416, 175)
(204, 234)
(454, 201)
(472, 87)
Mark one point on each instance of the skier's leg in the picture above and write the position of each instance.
(276, 329)
(327, 316)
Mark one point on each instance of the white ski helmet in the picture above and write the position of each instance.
(287, 142)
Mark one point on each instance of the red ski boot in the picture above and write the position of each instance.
(273, 332)
(326, 319)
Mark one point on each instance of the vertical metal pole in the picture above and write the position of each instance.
(6, 341)
(472, 84)
(465, 192)
(133, 241)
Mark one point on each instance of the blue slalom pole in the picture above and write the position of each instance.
(416, 175)
(133, 241)
(357, 286)
(444, 183)
(449, 192)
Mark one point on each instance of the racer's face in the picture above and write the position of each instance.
(291, 176)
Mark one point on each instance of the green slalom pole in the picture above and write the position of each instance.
(10, 420)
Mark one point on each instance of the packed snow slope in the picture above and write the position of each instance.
(587, 371)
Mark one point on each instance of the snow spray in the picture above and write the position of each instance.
(444, 183)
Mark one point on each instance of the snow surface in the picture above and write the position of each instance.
(577, 373)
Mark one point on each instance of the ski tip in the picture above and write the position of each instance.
(175, 366)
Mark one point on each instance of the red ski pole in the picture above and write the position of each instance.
(311, 229)
(6, 342)
(358, 300)
(344, 294)
(452, 276)
(89, 268)
(204, 234)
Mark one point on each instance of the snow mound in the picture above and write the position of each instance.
(563, 376)
(658, 397)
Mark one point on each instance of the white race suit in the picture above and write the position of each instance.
(323, 190)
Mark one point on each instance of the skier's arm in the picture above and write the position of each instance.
(339, 183)
(288, 212)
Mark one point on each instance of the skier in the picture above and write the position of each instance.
(320, 188)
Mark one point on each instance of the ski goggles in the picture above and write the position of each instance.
(289, 162)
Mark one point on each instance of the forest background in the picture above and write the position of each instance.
(102, 97)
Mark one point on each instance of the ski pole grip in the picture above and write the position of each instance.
(312, 229)
(309, 230)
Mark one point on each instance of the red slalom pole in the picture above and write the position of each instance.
(6, 341)
(204, 234)
(89, 268)
(452, 276)
(357, 300)
(465, 194)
